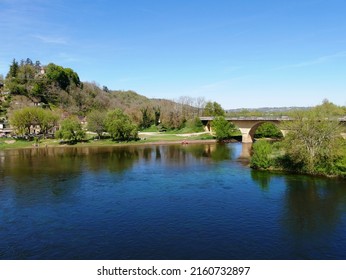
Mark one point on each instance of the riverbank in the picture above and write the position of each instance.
(151, 138)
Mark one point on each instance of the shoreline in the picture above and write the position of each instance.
(98, 144)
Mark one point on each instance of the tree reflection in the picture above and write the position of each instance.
(262, 178)
(313, 204)
(216, 152)
(37, 163)
(113, 159)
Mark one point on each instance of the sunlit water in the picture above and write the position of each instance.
(163, 202)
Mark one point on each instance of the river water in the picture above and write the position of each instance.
(163, 202)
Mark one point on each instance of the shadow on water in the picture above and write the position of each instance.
(313, 209)
(262, 178)
(313, 204)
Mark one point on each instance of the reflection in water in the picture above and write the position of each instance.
(313, 210)
(313, 205)
(163, 202)
(65, 162)
(217, 153)
(262, 178)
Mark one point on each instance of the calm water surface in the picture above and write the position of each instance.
(163, 202)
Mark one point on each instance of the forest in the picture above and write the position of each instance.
(36, 98)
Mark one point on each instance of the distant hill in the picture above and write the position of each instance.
(264, 111)
(268, 109)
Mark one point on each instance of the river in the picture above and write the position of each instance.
(163, 202)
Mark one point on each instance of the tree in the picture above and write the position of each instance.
(268, 130)
(261, 158)
(313, 141)
(56, 74)
(120, 126)
(200, 104)
(34, 120)
(71, 130)
(147, 119)
(47, 120)
(13, 72)
(157, 113)
(223, 129)
(213, 109)
(96, 122)
(63, 77)
(21, 121)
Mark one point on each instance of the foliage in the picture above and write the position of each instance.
(197, 125)
(157, 114)
(56, 86)
(13, 72)
(120, 126)
(268, 130)
(71, 130)
(63, 77)
(312, 145)
(223, 129)
(96, 122)
(33, 120)
(328, 109)
(261, 158)
(213, 109)
(313, 141)
(5, 104)
(190, 126)
(147, 119)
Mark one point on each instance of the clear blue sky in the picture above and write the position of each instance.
(240, 53)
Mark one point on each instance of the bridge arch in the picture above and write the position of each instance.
(253, 130)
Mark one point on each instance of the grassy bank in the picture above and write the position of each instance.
(145, 138)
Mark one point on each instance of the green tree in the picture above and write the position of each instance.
(63, 77)
(14, 68)
(48, 120)
(147, 119)
(33, 119)
(328, 109)
(96, 122)
(56, 74)
(213, 109)
(268, 130)
(313, 141)
(120, 126)
(157, 113)
(223, 129)
(21, 120)
(71, 130)
(262, 155)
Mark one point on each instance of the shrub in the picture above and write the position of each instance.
(262, 155)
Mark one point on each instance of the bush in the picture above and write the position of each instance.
(262, 155)
(223, 128)
(70, 130)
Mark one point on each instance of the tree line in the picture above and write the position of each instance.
(60, 90)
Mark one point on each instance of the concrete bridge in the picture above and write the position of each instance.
(248, 125)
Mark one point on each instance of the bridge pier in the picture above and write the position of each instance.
(284, 132)
(245, 135)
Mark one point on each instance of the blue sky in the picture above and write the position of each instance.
(240, 53)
